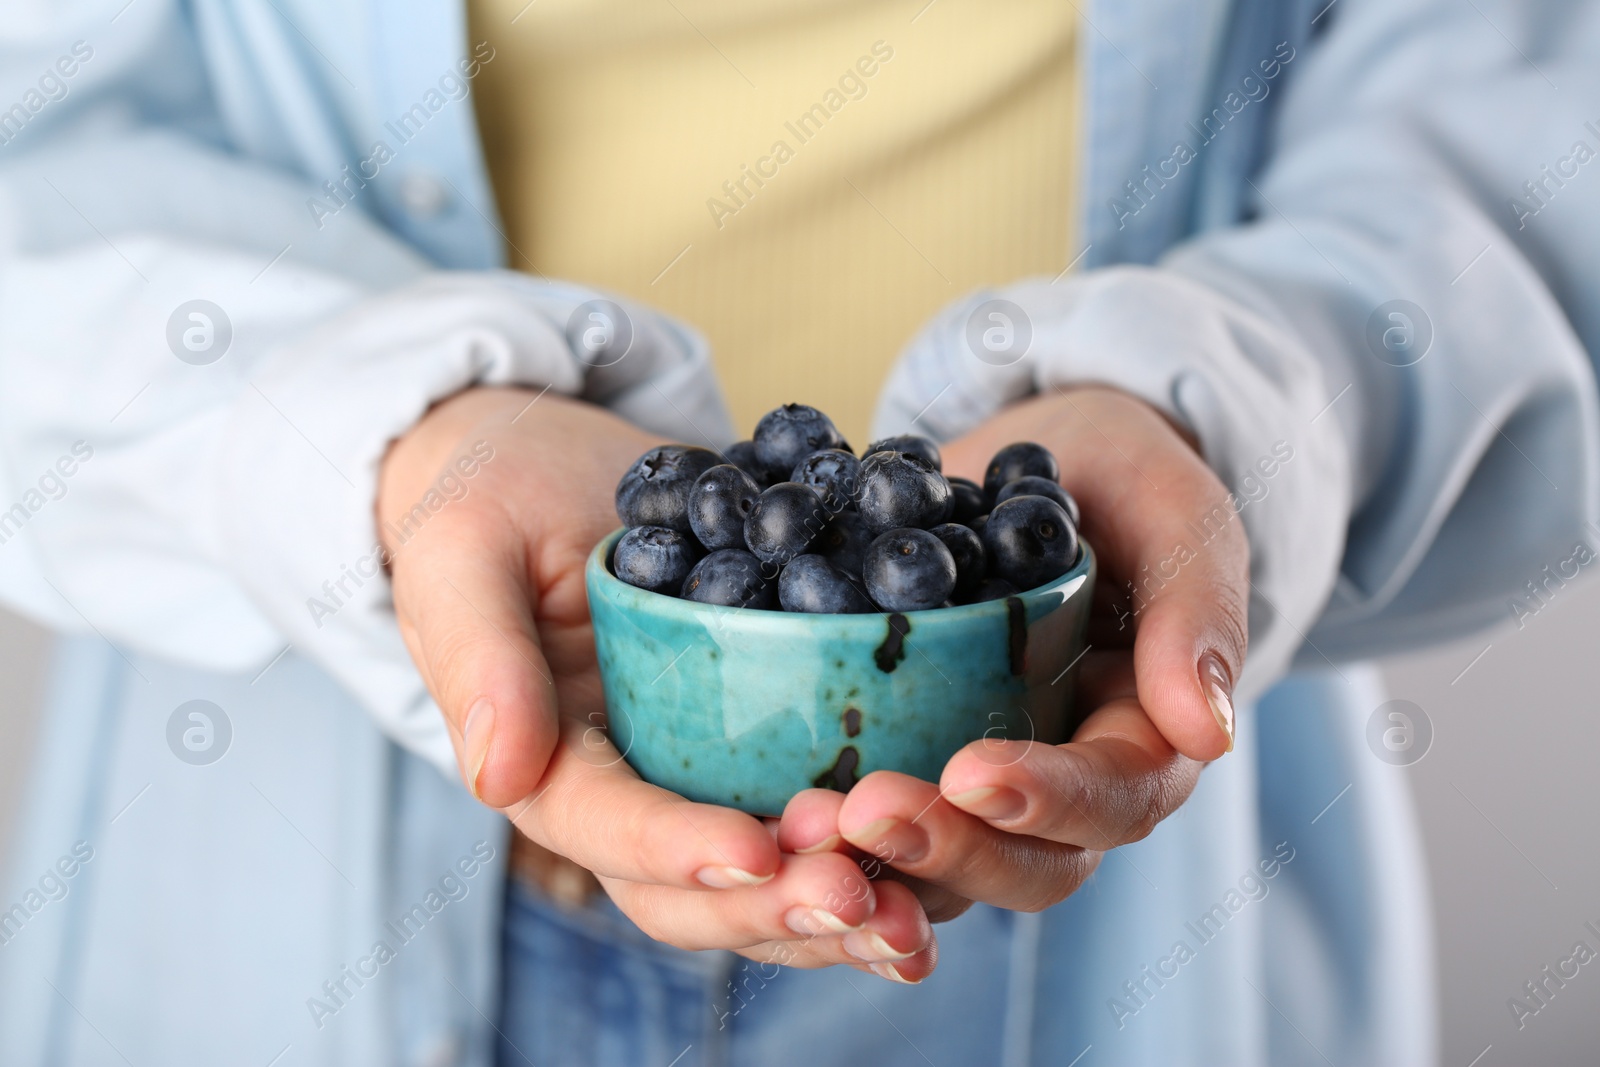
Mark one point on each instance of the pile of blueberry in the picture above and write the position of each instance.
(792, 518)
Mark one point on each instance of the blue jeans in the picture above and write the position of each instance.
(588, 989)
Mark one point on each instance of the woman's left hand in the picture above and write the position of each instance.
(1019, 824)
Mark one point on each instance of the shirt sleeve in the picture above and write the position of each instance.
(1401, 315)
(197, 386)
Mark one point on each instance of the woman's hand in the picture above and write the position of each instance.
(1021, 825)
(489, 591)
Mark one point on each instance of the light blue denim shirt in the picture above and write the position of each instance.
(154, 152)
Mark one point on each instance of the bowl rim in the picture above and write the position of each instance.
(598, 577)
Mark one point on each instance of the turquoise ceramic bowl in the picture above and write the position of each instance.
(745, 708)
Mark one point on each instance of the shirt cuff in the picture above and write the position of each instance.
(1251, 394)
(300, 459)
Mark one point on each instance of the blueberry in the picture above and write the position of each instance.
(786, 435)
(655, 558)
(843, 542)
(1018, 461)
(655, 491)
(977, 525)
(967, 500)
(899, 489)
(732, 578)
(783, 522)
(1030, 541)
(992, 589)
(909, 570)
(1033, 485)
(834, 473)
(967, 550)
(916, 444)
(811, 583)
(719, 503)
(742, 454)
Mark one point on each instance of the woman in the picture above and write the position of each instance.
(1273, 256)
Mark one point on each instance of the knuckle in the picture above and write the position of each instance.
(1141, 824)
(1174, 785)
(841, 877)
(962, 864)
(1153, 797)
(835, 868)
(552, 816)
(646, 830)
(1232, 610)
(1071, 796)
(452, 652)
(1138, 811)
(1059, 875)
(660, 917)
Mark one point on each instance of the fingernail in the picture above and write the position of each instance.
(476, 733)
(887, 970)
(730, 878)
(868, 946)
(827, 844)
(1218, 689)
(893, 841)
(815, 921)
(991, 802)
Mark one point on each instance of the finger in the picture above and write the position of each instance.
(904, 822)
(1183, 548)
(1111, 786)
(939, 904)
(898, 921)
(811, 896)
(593, 809)
(810, 823)
(1161, 520)
(466, 611)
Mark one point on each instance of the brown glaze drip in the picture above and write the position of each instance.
(842, 775)
(893, 650)
(852, 722)
(1017, 633)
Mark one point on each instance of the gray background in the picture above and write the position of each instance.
(1505, 795)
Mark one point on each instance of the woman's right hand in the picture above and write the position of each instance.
(489, 593)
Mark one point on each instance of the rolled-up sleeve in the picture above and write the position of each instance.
(198, 383)
(1407, 309)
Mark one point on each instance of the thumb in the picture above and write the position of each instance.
(1172, 543)
(466, 608)
(1189, 646)
(1185, 560)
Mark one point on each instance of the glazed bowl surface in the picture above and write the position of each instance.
(745, 707)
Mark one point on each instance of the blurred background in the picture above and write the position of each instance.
(1505, 795)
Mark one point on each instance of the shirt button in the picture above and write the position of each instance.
(422, 195)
